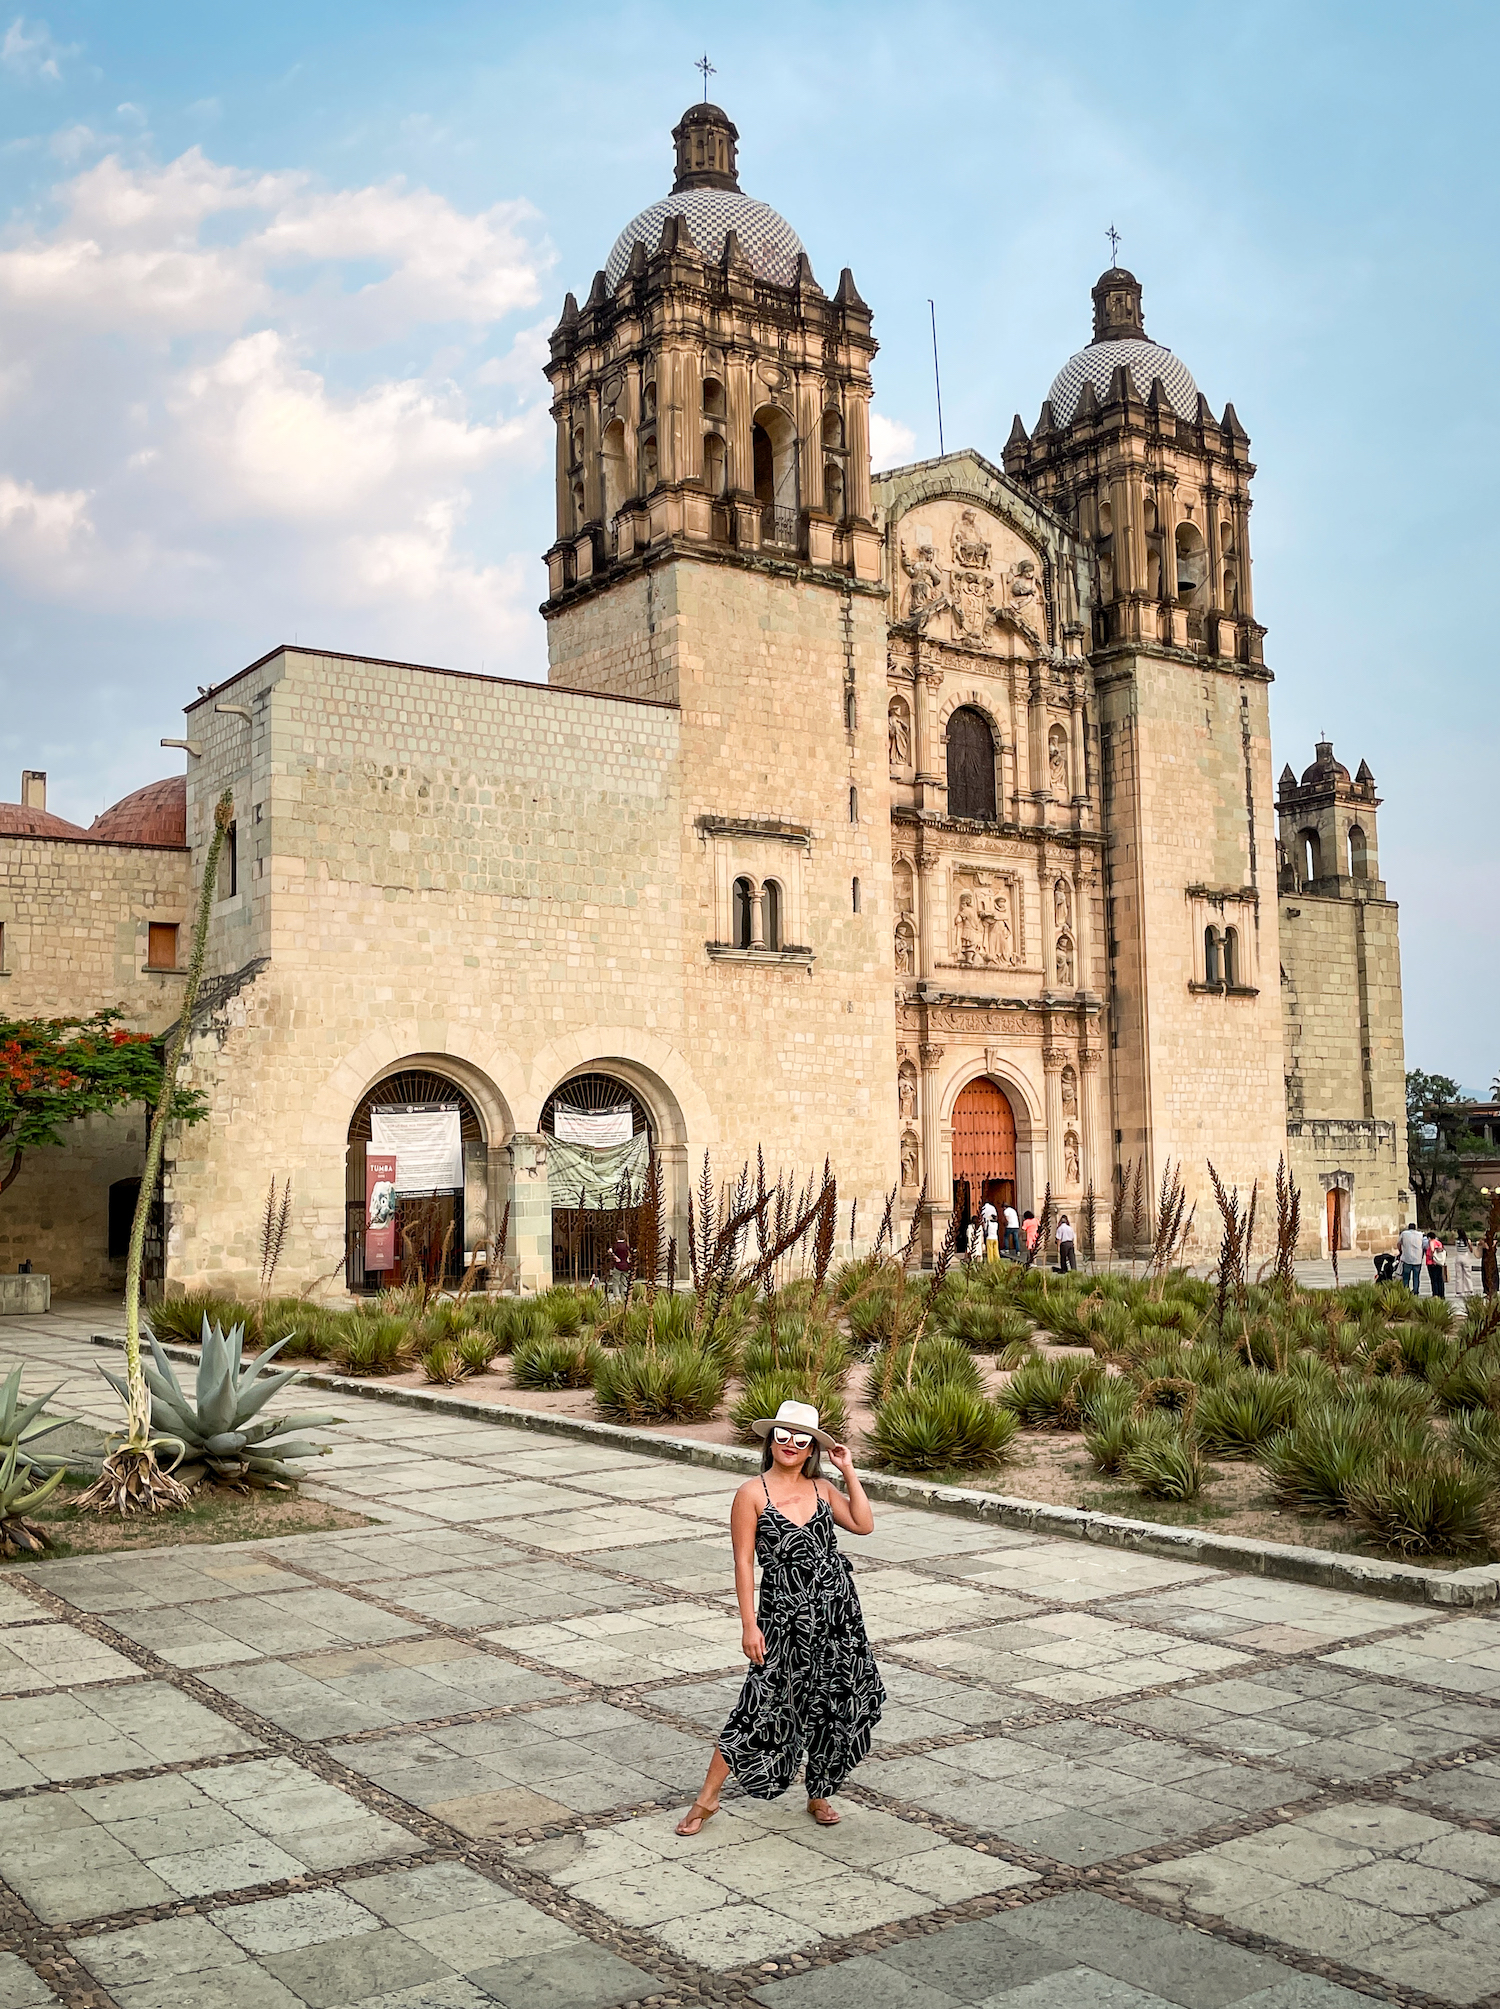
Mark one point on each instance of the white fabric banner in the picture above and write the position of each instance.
(601, 1129)
(428, 1147)
(579, 1175)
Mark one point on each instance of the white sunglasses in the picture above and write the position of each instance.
(798, 1439)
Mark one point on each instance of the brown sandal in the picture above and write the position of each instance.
(823, 1814)
(705, 1814)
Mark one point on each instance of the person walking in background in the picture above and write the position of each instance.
(1029, 1226)
(619, 1268)
(1436, 1258)
(989, 1220)
(1012, 1230)
(1463, 1266)
(1067, 1246)
(1411, 1258)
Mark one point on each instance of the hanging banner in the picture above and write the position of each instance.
(580, 1176)
(380, 1210)
(601, 1129)
(427, 1146)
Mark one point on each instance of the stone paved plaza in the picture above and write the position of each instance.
(437, 1760)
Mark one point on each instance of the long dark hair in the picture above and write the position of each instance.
(812, 1464)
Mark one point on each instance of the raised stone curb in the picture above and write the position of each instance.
(1363, 1576)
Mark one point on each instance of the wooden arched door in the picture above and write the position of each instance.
(984, 1147)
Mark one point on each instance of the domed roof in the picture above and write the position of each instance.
(16, 820)
(1325, 768)
(155, 814)
(766, 238)
(707, 196)
(1146, 361)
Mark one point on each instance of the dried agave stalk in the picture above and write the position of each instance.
(1170, 1205)
(887, 1226)
(940, 1266)
(1137, 1210)
(1288, 1225)
(1090, 1224)
(273, 1229)
(916, 1230)
(1117, 1210)
(1043, 1227)
(1233, 1243)
(853, 1217)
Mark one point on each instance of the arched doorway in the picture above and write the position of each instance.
(984, 1148)
(419, 1106)
(600, 1135)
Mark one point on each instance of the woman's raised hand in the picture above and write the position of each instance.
(843, 1458)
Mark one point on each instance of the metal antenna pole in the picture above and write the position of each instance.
(936, 378)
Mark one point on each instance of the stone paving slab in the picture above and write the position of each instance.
(1096, 1767)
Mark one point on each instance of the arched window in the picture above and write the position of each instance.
(744, 914)
(648, 402)
(1192, 565)
(1359, 853)
(854, 805)
(579, 515)
(971, 765)
(770, 897)
(1153, 573)
(1213, 967)
(1106, 520)
(577, 444)
(614, 469)
(713, 463)
(773, 439)
(833, 491)
(1231, 956)
(1312, 855)
(1230, 601)
(713, 398)
(833, 431)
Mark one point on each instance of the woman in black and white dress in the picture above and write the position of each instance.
(813, 1691)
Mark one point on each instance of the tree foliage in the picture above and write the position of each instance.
(1438, 1139)
(54, 1070)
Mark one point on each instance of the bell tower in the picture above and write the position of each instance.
(715, 554)
(1130, 453)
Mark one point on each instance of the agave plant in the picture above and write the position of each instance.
(19, 1429)
(216, 1426)
(20, 1535)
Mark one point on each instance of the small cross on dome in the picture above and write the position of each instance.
(707, 70)
(1114, 244)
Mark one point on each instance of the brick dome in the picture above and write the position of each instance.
(16, 820)
(155, 814)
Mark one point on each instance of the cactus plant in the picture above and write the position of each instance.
(19, 1429)
(217, 1425)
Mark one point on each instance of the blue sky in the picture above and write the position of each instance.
(275, 284)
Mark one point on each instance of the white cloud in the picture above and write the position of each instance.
(29, 51)
(891, 443)
(190, 427)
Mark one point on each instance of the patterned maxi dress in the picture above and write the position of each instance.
(819, 1692)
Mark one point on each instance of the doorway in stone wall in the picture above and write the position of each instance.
(1337, 1199)
(984, 1147)
(430, 1223)
(594, 1118)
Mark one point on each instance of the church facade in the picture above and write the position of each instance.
(922, 822)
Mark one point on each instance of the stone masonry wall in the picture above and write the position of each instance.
(75, 916)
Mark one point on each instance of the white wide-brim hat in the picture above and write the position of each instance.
(795, 1416)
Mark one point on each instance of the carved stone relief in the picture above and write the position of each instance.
(1057, 765)
(1069, 1092)
(1070, 1158)
(911, 1158)
(1062, 905)
(898, 732)
(957, 560)
(983, 907)
(1065, 962)
(906, 948)
(901, 881)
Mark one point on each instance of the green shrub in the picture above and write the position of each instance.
(1473, 1382)
(1111, 1330)
(1481, 1320)
(441, 1361)
(1319, 1458)
(763, 1393)
(672, 1384)
(1239, 1417)
(1170, 1394)
(550, 1361)
(1165, 1468)
(180, 1319)
(1425, 1505)
(1050, 1393)
(562, 1305)
(940, 1363)
(669, 1315)
(1426, 1353)
(810, 1346)
(1475, 1435)
(934, 1427)
(1436, 1312)
(985, 1326)
(446, 1319)
(850, 1278)
(1168, 1315)
(1110, 1426)
(372, 1346)
(476, 1349)
(1392, 1398)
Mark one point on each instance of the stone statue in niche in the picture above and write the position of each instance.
(1070, 1158)
(910, 1158)
(905, 948)
(968, 934)
(1069, 1092)
(898, 733)
(906, 1092)
(1065, 962)
(1057, 765)
(925, 594)
(1062, 914)
(901, 884)
(984, 929)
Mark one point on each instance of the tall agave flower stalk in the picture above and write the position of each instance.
(131, 1478)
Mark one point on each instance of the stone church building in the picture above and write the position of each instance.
(922, 821)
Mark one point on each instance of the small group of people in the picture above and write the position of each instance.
(1020, 1228)
(1420, 1251)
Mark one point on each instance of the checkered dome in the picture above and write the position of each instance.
(766, 238)
(1146, 361)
